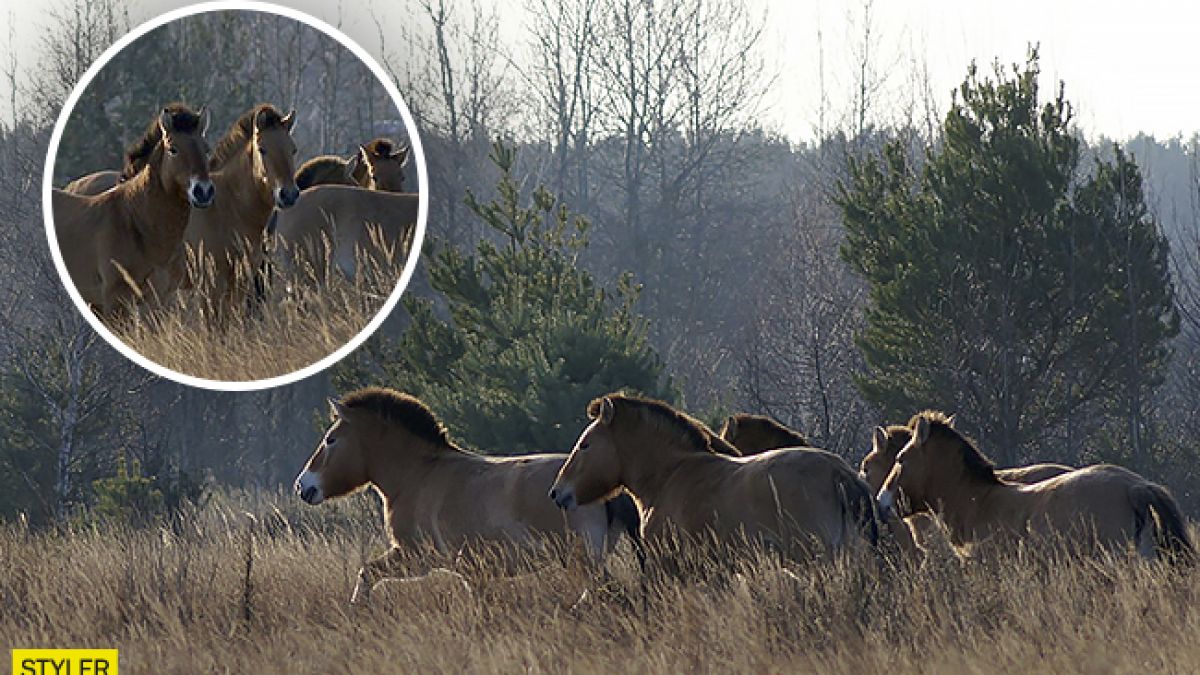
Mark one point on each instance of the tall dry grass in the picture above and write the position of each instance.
(224, 591)
(304, 315)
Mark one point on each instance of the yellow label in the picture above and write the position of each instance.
(64, 662)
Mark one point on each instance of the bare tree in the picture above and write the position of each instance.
(78, 32)
(800, 358)
(562, 38)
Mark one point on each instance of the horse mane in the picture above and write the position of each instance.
(795, 438)
(975, 463)
(139, 153)
(241, 132)
(403, 410)
(690, 432)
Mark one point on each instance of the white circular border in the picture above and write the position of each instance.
(413, 138)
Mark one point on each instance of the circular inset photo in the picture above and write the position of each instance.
(235, 195)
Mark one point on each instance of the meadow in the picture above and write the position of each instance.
(302, 317)
(261, 583)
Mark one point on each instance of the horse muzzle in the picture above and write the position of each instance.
(286, 197)
(309, 488)
(202, 193)
(564, 498)
(887, 503)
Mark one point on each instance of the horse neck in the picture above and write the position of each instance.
(159, 216)
(648, 462)
(249, 196)
(398, 461)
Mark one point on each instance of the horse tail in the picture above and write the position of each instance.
(622, 514)
(1171, 535)
(858, 505)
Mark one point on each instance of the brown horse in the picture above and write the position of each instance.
(887, 443)
(112, 242)
(378, 165)
(94, 183)
(686, 482)
(753, 434)
(381, 165)
(437, 493)
(339, 223)
(253, 167)
(1097, 507)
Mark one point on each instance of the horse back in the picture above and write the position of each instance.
(1033, 473)
(499, 499)
(783, 495)
(94, 183)
(1098, 496)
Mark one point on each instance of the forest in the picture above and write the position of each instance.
(607, 212)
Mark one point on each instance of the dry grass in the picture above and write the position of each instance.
(232, 593)
(299, 322)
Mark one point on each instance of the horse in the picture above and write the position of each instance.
(437, 493)
(754, 434)
(338, 223)
(688, 482)
(378, 165)
(112, 242)
(94, 183)
(253, 166)
(886, 443)
(1100, 507)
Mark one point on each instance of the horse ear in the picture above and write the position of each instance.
(606, 411)
(731, 428)
(352, 165)
(921, 433)
(289, 120)
(336, 409)
(951, 420)
(879, 439)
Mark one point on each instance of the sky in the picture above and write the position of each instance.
(1129, 67)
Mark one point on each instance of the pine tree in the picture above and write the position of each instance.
(1002, 284)
(529, 337)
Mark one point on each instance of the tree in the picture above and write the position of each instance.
(1002, 284)
(1111, 215)
(530, 337)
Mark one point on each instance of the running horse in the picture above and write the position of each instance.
(886, 443)
(687, 481)
(435, 492)
(1100, 507)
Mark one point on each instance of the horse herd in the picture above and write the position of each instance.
(645, 470)
(178, 218)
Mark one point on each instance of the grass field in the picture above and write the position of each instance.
(226, 591)
(298, 323)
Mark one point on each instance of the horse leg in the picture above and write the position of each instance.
(373, 572)
(115, 293)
